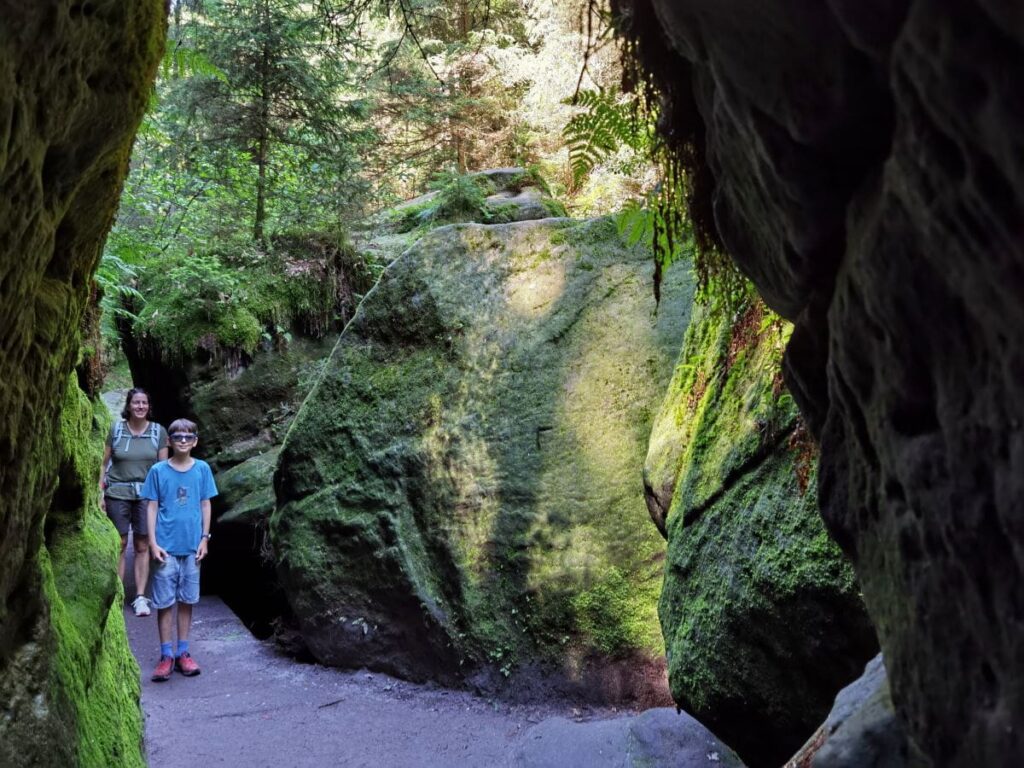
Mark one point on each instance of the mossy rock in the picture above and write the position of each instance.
(461, 489)
(762, 616)
(245, 414)
(241, 572)
(78, 679)
(247, 490)
(75, 79)
(494, 196)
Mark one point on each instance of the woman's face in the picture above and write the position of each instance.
(139, 406)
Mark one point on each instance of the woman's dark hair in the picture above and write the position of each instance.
(126, 412)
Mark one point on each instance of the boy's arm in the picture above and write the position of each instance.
(204, 505)
(158, 552)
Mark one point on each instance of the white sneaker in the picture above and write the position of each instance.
(141, 606)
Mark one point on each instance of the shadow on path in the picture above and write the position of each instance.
(255, 708)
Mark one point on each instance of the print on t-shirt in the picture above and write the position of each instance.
(182, 496)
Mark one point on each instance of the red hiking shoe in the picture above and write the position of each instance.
(186, 665)
(163, 669)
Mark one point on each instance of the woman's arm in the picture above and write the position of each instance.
(165, 446)
(103, 471)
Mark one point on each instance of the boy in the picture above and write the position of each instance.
(179, 492)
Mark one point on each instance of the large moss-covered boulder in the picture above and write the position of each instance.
(864, 166)
(75, 695)
(75, 78)
(762, 616)
(461, 490)
(243, 416)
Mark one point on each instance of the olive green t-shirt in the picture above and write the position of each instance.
(131, 457)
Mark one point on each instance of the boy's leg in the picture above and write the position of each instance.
(187, 596)
(164, 579)
(165, 666)
(164, 623)
(184, 621)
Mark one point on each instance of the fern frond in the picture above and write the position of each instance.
(182, 61)
(608, 123)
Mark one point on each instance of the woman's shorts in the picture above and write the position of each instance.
(176, 580)
(125, 511)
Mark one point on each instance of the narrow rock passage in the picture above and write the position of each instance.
(253, 707)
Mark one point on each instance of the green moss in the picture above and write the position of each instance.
(618, 615)
(465, 471)
(96, 674)
(761, 614)
(554, 207)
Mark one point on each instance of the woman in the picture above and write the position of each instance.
(133, 446)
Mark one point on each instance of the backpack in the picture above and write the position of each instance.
(121, 431)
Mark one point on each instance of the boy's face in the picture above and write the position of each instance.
(183, 443)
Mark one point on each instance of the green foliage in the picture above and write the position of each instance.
(611, 121)
(180, 60)
(116, 279)
(607, 122)
(443, 99)
(460, 197)
(196, 300)
(611, 612)
(231, 302)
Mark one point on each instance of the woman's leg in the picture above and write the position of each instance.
(141, 563)
(124, 550)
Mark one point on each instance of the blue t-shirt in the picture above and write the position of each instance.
(179, 518)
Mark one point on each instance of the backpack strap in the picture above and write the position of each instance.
(121, 431)
(154, 435)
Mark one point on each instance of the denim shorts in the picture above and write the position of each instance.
(176, 580)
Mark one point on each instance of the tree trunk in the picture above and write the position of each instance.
(263, 134)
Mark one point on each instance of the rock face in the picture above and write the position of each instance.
(868, 175)
(761, 614)
(242, 423)
(72, 693)
(657, 737)
(861, 731)
(460, 493)
(74, 80)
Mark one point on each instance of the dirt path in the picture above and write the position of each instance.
(253, 707)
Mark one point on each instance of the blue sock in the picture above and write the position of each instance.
(182, 647)
(165, 649)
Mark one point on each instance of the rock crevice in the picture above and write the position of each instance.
(868, 175)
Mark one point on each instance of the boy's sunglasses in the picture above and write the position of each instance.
(183, 437)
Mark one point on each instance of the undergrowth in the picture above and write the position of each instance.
(225, 302)
(462, 197)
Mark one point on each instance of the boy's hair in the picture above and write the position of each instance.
(183, 425)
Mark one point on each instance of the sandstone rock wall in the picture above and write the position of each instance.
(761, 614)
(868, 175)
(74, 80)
(462, 489)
